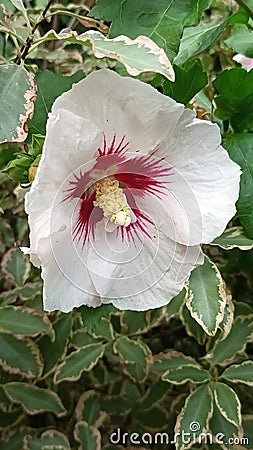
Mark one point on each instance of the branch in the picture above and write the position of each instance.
(25, 49)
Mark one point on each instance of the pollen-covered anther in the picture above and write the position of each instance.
(112, 200)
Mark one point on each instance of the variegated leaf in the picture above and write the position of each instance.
(182, 374)
(82, 360)
(228, 403)
(17, 96)
(195, 415)
(240, 373)
(87, 436)
(240, 334)
(233, 237)
(138, 55)
(207, 296)
(33, 399)
(20, 356)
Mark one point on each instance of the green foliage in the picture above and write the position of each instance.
(241, 40)
(231, 101)
(197, 39)
(189, 79)
(50, 85)
(163, 21)
(239, 147)
(226, 350)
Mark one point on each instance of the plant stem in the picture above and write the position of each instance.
(25, 49)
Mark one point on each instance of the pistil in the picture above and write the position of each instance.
(112, 200)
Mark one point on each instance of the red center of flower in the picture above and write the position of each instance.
(111, 188)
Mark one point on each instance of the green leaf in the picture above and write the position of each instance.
(82, 360)
(50, 85)
(18, 168)
(112, 447)
(192, 327)
(19, 356)
(197, 39)
(240, 334)
(33, 399)
(195, 415)
(248, 6)
(16, 266)
(17, 94)
(163, 20)
(14, 442)
(234, 238)
(104, 329)
(207, 296)
(227, 321)
(228, 403)
(89, 437)
(240, 373)
(182, 374)
(222, 429)
(154, 395)
(171, 360)
(242, 309)
(89, 409)
(154, 419)
(135, 355)
(189, 80)
(241, 40)
(10, 419)
(135, 322)
(115, 405)
(231, 101)
(54, 352)
(49, 440)
(239, 147)
(138, 56)
(92, 316)
(21, 7)
(81, 338)
(175, 304)
(22, 320)
(247, 439)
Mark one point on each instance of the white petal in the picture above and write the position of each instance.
(163, 291)
(66, 280)
(70, 146)
(141, 276)
(209, 185)
(123, 106)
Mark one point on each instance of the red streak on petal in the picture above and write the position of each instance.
(112, 149)
(88, 216)
(136, 229)
(145, 173)
(139, 176)
(79, 185)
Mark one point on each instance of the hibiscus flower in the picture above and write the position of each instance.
(129, 185)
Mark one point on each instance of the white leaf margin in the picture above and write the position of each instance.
(138, 55)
